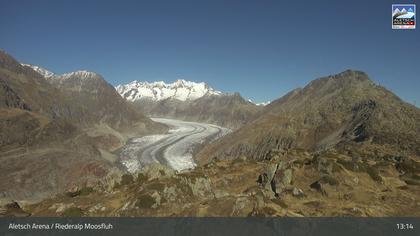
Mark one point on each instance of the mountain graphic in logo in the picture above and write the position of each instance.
(403, 16)
(403, 13)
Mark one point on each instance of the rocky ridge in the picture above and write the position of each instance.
(346, 111)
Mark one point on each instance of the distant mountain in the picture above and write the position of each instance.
(338, 111)
(228, 110)
(157, 91)
(191, 101)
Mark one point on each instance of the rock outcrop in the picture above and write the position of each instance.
(295, 184)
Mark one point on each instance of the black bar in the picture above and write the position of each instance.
(253, 226)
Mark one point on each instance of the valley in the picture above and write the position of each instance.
(72, 144)
(174, 149)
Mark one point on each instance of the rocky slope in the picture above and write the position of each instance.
(347, 111)
(100, 102)
(293, 183)
(54, 138)
(94, 101)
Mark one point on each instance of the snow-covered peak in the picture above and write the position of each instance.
(44, 72)
(181, 90)
(263, 103)
(81, 74)
(259, 104)
(396, 11)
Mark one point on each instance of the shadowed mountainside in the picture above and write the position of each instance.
(54, 137)
(98, 101)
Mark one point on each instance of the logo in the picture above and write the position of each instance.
(403, 16)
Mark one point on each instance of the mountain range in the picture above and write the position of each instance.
(180, 90)
(340, 146)
(189, 101)
(181, 99)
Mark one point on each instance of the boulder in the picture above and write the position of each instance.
(242, 206)
(318, 187)
(287, 177)
(10, 207)
(73, 191)
(170, 193)
(282, 180)
(97, 208)
(265, 179)
(276, 177)
(271, 170)
(297, 192)
(157, 198)
(61, 207)
(220, 193)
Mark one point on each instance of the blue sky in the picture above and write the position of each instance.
(260, 48)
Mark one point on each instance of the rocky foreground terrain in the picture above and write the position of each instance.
(288, 183)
